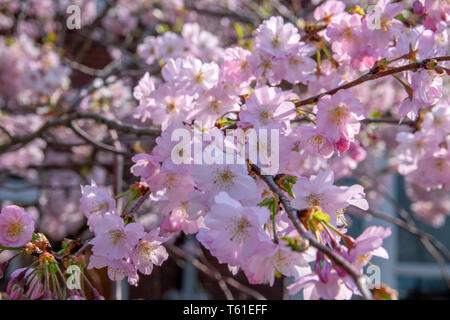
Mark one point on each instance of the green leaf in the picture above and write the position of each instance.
(178, 25)
(320, 216)
(34, 237)
(375, 114)
(288, 188)
(264, 203)
(296, 243)
(239, 30)
(161, 28)
(272, 204)
(225, 121)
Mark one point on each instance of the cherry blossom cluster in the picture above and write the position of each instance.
(29, 73)
(33, 282)
(122, 246)
(225, 204)
(345, 89)
(423, 157)
(193, 42)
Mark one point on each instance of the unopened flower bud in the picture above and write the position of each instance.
(439, 70)
(47, 295)
(96, 295)
(384, 293)
(349, 241)
(42, 242)
(46, 258)
(418, 7)
(431, 64)
(357, 9)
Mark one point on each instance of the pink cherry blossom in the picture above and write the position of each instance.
(315, 142)
(338, 116)
(142, 93)
(427, 90)
(232, 231)
(320, 191)
(176, 185)
(419, 41)
(271, 258)
(344, 33)
(95, 202)
(412, 146)
(149, 252)
(328, 10)
(314, 288)
(177, 220)
(213, 105)
(432, 170)
(118, 269)
(437, 122)
(268, 107)
(381, 35)
(367, 244)
(23, 285)
(167, 108)
(201, 43)
(231, 178)
(145, 167)
(236, 66)
(300, 66)
(16, 226)
(114, 240)
(275, 38)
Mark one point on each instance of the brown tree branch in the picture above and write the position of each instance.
(68, 119)
(97, 144)
(215, 274)
(359, 279)
(371, 75)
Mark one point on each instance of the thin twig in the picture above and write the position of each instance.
(222, 284)
(221, 14)
(371, 76)
(357, 277)
(98, 144)
(138, 203)
(215, 275)
(411, 229)
(66, 121)
(409, 222)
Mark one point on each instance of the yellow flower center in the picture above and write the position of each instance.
(199, 77)
(294, 61)
(171, 107)
(224, 178)
(348, 33)
(215, 105)
(276, 41)
(146, 251)
(314, 199)
(440, 164)
(317, 141)
(244, 65)
(265, 116)
(339, 114)
(14, 230)
(99, 207)
(172, 178)
(238, 229)
(386, 25)
(363, 258)
(116, 236)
